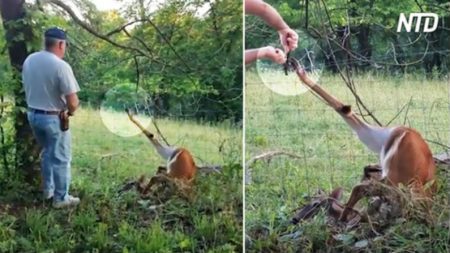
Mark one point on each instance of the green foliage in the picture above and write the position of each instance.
(124, 96)
(372, 27)
(191, 60)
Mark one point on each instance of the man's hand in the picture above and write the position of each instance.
(289, 39)
(275, 54)
(64, 121)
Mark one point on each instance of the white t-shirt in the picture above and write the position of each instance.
(47, 79)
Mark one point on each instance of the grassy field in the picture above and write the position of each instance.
(108, 222)
(331, 156)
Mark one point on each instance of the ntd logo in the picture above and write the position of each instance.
(418, 16)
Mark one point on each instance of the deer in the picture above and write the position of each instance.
(180, 164)
(404, 156)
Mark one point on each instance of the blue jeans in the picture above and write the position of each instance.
(56, 155)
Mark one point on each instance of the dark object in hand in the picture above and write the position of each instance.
(64, 121)
(286, 64)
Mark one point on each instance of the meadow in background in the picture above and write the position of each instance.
(108, 222)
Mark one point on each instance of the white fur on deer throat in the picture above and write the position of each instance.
(164, 151)
(374, 137)
(171, 161)
(386, 155)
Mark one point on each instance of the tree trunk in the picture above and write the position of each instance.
(365, 49)
(399, 55)
(433, 58)
(27, 150)
(344, 34)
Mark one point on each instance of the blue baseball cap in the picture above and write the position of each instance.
(55, 32)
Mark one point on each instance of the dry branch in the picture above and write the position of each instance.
(269, 155)
(407, 105)
(210, 169)
(265, 156)
(91, 30)
(442, 159)
(159, 132)
(119, 29)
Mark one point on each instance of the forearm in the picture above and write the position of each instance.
(251, 55)
(269, 52)
(72, 103)
(72, 109)
(266, 12)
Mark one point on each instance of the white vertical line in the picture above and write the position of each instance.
(243, 127)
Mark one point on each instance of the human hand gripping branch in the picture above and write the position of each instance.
(288, 37)
(275, 54)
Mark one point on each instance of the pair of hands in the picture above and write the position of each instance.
(289, 41)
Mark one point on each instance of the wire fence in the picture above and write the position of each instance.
(313, 131)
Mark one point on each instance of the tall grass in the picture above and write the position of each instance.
(331, 155)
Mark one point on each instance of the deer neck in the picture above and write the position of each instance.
(164, 151)
(344, 111)
(372, 137)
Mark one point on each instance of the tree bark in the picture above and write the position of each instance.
(365, 49)
(17, 34)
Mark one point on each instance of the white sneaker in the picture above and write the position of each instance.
(47, 195)
(47, 198)
(70, 201)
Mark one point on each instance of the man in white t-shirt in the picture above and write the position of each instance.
(51, 89)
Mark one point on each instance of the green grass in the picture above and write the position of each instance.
(332, 156)
(108, 222)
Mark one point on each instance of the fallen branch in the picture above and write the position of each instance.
(442, 159)
(210, 169)
(268, 155)
(265, 156)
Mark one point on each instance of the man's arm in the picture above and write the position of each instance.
(69, 87)
(72, 103)
(288, 37)
(269, 52)
(266, 12)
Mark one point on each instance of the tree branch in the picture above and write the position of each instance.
(119, 29)
(88, 28)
